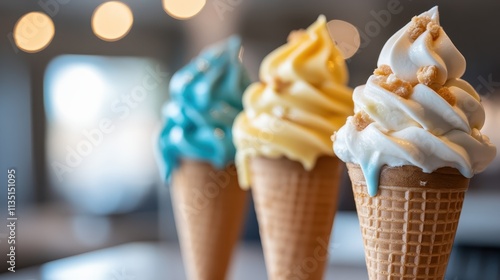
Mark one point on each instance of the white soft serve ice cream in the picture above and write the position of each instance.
(415, 109)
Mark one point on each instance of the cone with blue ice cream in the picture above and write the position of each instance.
(198, 154)
(209, 208)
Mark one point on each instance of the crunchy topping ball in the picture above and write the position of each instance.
(334, 136)
(296, 34)
(383, 70)
(420, 24)
(361, 120)
(447, 95)
(434, 29)
(397, 86)
(427, 75)
(219, 133)
(202, 65)
(279, 85)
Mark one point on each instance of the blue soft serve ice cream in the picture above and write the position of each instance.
(205, 99)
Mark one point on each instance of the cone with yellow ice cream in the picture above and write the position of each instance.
(284, 150)
(411, 148)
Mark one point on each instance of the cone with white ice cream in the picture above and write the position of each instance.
(411, 148)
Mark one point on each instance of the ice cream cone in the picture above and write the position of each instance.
(295, 210)
(209, 211)
(408, 228)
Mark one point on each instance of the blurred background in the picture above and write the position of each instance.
(79, 113)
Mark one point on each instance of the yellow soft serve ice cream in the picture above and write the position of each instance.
(301, 99)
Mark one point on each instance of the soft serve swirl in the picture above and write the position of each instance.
(415, 109)
(301, 98)
(205, 99)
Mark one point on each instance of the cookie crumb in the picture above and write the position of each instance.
(383, 70)
(279, 85)
(427, 75)
(397, 86)
(423, 183)
(219, 133)
(418, 26)
(447, 95)
(361, 120)
(296, 34)
(334, 136)
(434, 29)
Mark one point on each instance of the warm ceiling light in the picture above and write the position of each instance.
(183, 9)
(112, 21)
(345, 35)
(33, 32)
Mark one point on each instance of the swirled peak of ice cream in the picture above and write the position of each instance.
(205, 99)
(301, 98)
(415, 109)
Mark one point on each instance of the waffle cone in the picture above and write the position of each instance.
(408, 228)
(295, 210)
(209, 211)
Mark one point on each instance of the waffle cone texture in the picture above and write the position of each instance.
(209, 208)
(295, 210)
(409, 227)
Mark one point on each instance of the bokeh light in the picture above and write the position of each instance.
(345, 35)
(77, 92)
(112, 21)
(183, 9)
(33, 32)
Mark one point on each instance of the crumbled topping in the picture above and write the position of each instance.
(279, 85)
(296, 34)
(397, 86)
(447, 95)
(383, 70)
(420, 24)
(427, 75)
(219, 133)
(334, 136)
(434, 29)
(361, 120)
(202, 65)
(390, 82)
